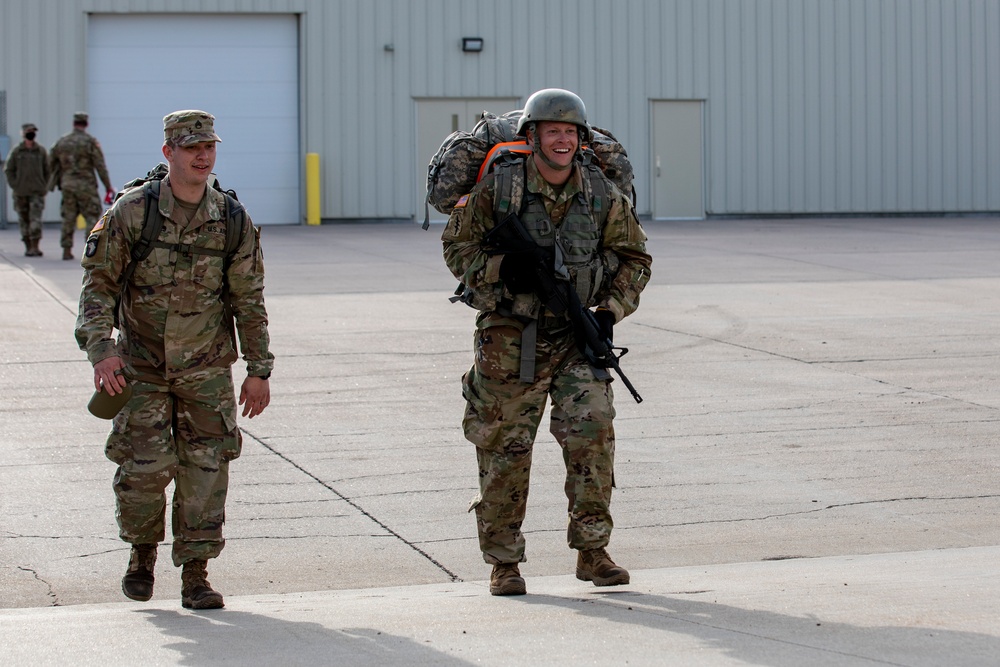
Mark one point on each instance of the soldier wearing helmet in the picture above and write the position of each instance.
(526, 355)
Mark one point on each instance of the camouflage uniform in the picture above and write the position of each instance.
(503, 413)
(180, 424)
(27, 172)
(72, 162)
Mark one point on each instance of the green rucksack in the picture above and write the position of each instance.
(465, 157)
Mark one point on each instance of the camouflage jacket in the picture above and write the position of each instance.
(172, 311)
(27, 170)
(622, 243)
(73, 160)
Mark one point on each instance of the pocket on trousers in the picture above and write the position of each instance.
(118, 447)
(482, 413)
(220, 425)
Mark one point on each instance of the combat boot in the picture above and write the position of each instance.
(196, 592)
(596, 565)
(34, 246)
(67, 253)
(27, 248)
(506, 580)
(137, 583)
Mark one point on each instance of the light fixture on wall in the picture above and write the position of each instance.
(472, 44)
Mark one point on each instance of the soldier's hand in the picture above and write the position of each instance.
(606, 323)
(110, 374)
(255, 395)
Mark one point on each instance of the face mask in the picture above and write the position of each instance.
(30, 136)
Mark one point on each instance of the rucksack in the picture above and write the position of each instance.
(464, 158)
(152, 224)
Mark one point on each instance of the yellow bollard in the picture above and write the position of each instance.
(80, 222)
(312, 189)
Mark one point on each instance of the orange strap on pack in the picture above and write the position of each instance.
(509, 146)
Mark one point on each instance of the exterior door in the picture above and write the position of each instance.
(677, 169)
(436, 119)
(242, 68)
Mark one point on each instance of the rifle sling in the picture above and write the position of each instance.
(529, 341)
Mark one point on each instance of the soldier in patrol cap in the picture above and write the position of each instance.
(526, 355)
(72, 163)
(27, 171)
(175, 348)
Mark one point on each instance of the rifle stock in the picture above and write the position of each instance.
(560, 297)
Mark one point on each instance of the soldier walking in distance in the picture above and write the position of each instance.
(27, 171)
(175, 349)
(525, 354)
(72, 163)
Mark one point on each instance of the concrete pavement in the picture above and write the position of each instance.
(810, 480)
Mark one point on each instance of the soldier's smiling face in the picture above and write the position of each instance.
(191, 165)
(558, 142)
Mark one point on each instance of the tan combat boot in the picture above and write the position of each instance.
(67, 253)
(137, 583)
(596, 565)
(27, 248)
(34, 247)
(196, 592)
(506, 580)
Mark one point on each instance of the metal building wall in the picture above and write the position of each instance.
(811, 106)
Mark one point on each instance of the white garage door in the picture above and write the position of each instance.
(242, 69)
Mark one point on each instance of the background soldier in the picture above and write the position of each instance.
(602, 248)
(27, 172)
(176, 348)
(73, 160)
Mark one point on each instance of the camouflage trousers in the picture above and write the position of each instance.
(181, 430)
(29, 215)
(502, 418)
(78, 202)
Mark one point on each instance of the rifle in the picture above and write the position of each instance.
(558, 294)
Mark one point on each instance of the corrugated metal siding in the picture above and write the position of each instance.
(812, 106)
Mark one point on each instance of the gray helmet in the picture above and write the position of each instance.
(554, 104)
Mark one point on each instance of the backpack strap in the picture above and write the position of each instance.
(599, 196)
(509, 173)
(152, 225)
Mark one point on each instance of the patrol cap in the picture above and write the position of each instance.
(28, 127)
(105, 406)
(189, 127)
(80, 117)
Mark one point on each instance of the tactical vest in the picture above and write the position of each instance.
(577, 244)
(577, 239)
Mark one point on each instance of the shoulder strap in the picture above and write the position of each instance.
(599, 195)
(509, 174)
(152, 224)
(236, 218)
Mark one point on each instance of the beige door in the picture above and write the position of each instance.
(436, 119)
(677, 168)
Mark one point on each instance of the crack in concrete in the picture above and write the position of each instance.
(412, 545)
(823, 362)
(814, 510)
(51, 593)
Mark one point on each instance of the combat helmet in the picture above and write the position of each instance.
(555, 104)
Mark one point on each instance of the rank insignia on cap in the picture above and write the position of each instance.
(462, 201)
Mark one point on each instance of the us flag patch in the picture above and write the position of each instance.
(462, 201)
(100, 223)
